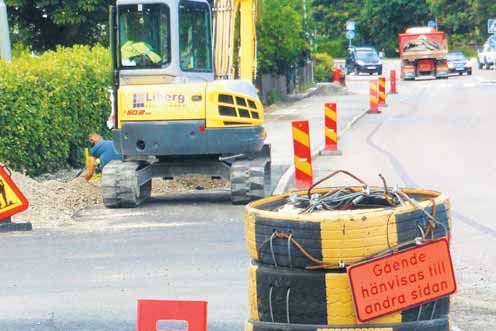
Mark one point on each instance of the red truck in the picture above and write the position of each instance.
(423, 52)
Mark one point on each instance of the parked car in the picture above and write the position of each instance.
(458, 63)
(363, 59)
(486, 56)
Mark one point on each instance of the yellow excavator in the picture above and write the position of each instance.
(183, 104)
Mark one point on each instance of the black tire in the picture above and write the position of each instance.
(469, 72)
(120, 187)
(480, 65)
(250, 180)
(460, 73)
(441, 324)
(335, 237)
(317, 297)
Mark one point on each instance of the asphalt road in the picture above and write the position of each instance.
(434, 134)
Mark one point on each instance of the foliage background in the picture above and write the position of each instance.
(49, 105)
(55, 92)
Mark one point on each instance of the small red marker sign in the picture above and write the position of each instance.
(403, 280)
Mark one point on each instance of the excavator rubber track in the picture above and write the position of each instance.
(250, 180)
(120, 185)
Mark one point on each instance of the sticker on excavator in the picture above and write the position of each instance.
(403, 280)
(12, 201)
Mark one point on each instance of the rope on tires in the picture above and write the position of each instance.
(323, 265)
(287, 305)
(270, 305)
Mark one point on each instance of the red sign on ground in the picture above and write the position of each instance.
(12, 201)
(167, 315)
(402, 280)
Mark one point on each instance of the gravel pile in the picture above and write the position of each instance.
(53, 202)
(54, 199)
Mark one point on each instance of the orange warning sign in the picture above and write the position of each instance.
(12, 201)
(402, 280)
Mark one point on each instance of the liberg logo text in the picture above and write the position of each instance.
(140, 99)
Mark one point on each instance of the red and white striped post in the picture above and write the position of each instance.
(331, 130)
(374, 98)
(382, 91)
(302, 155)
(392, 88)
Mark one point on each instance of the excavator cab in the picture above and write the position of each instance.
(171, 116)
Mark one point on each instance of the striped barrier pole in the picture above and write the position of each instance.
(302, 155)
(382, 91)
(374, 98)
(337, 75)
(392, 88)
(331, 130)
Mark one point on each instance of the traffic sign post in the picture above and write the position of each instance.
(350, 26)
(350, 31)
(491, 29)
(12, 201)
(491, 25)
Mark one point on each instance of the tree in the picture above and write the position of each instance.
(482, 11)
(382, 21)
(329, 18)
(280, 36)
(45, 24)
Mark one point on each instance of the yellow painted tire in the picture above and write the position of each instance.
(299, 296)
(432, 325)
(344, 237)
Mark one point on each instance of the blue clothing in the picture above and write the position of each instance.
(105, 151)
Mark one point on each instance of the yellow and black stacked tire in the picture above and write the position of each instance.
(340, 237)
(322, 297)
(432, 325)
(283, 295)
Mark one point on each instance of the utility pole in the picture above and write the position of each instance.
(5, 50)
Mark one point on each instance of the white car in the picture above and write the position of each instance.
(486, 56)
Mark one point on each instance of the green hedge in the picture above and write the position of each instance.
(49, 104)
(323, 67)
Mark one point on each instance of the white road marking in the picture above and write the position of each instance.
(284, 111)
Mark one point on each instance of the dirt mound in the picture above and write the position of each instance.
(54, 202)
(329, 89)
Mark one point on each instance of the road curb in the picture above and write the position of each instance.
(283, 183)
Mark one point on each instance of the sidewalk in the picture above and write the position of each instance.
(278, 121)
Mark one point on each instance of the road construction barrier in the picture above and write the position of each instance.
(441, 324)
(337, 75)
(12, 202)
(350, 258)
(331, 129)
(302, 154)
(296, 296)
(374, 97)
(167, 315)
(382, 91)
(392, 88)
(278, 234)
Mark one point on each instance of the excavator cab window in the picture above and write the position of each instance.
(195, 37)
(144, 36)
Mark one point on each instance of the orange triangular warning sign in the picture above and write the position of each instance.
(12, 201)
